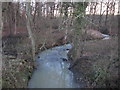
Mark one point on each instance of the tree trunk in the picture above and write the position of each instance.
(1, 27)
(29, 20)
(106, 14)
(100, 18)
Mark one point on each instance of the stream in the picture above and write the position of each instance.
(52, 69)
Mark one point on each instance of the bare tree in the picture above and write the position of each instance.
(100, 14)
(94, 10)
(15, 18)
(1, 23)
(29, 20)
(1, 26)
(107, 4)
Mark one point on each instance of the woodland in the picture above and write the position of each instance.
(28, 28)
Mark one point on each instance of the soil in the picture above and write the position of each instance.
(99, 68)
(18, 64)
(94, 71)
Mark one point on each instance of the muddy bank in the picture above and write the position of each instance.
(95, 70)
(99, 64)
(18, 65)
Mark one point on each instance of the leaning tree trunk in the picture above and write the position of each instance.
(1, 27)
(29, 20)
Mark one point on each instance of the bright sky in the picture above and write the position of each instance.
(103, 11)
(98, 7)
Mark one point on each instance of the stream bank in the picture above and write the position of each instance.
(99, 68)
(17, 62)
(89, 68)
